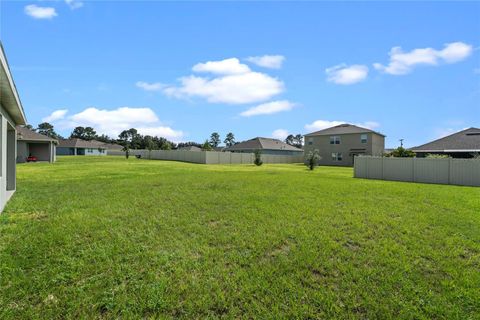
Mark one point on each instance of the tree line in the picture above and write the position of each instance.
(133, 140)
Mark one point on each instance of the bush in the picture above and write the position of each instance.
(401, 152)
(437, 156)
(258, 158)
(312, 159)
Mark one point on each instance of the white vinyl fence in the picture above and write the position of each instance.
(465, 172)
(209, 157)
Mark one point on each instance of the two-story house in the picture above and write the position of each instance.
(338, 145)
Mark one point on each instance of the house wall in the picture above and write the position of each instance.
(64, 151)
(22, 151)
(349, 144)
(8, 146)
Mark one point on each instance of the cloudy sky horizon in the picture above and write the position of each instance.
(184, 70)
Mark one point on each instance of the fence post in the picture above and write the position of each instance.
(413, 169)
(449, 169)
(383, 167)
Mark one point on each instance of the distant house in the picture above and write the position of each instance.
(113, 147)
(266, 145)
(79, 147)
(190, 148)
(31, 143)
(340, 144)
(463, 144)
(11, 115)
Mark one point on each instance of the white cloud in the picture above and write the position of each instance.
(343, 74)
(156, 86)
(233, 89)
(404, 62)
(74, 4)
(55, 115)
(324, 124)
(268, 61)
(280, 134)
(112, 122)
(232, 83)
(37, 12)
(227, 66)
(268, 108)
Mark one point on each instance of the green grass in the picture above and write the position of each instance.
(107, 238)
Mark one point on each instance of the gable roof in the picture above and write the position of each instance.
(344, 128)
(79, 143)
(260, 143)
(467, 140)
(25, 134)
(8, 91)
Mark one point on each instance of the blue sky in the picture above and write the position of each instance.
(184, 70)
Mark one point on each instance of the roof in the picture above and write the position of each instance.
(8, 92)
(467, 140)
(79, 143)
(113, 146)
(190, 148)
(260, 143)
(344, 128)
(25, 134)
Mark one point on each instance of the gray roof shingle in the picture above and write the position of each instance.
(344, 128)
(260, 143)
(24, 134)
(467, 140)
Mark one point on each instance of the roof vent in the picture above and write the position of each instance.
(473, 134)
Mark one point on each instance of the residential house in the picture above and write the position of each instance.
(113, 147)
(31, 143)
(79, 147)
(11, 115)
(463, 144)
(337, 146)
(266, 146)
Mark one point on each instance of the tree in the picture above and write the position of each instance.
(149, 145)
(214, 139)
(401, 152)
(229, 139)
(47, 129)
(258, 157)
(289, 139)
(89, 134)
(104, 138)
(126, 149)
(312, 159)
(129, 138)
(30, 127)
(298, 141)
(78, 132)
(206, 146)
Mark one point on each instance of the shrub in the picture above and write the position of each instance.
(437, 156)
(401, 152)
(258, 158)
(312, 159)
(206, 146)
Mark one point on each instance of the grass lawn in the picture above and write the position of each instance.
(93, 237)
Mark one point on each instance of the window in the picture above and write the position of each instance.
(310, 141)
(90, 150)
(363, 138)
(334, 139)
(337, 156)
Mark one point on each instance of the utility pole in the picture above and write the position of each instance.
(401, 143)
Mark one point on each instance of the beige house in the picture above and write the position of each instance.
(340, 144)
(11, 115)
